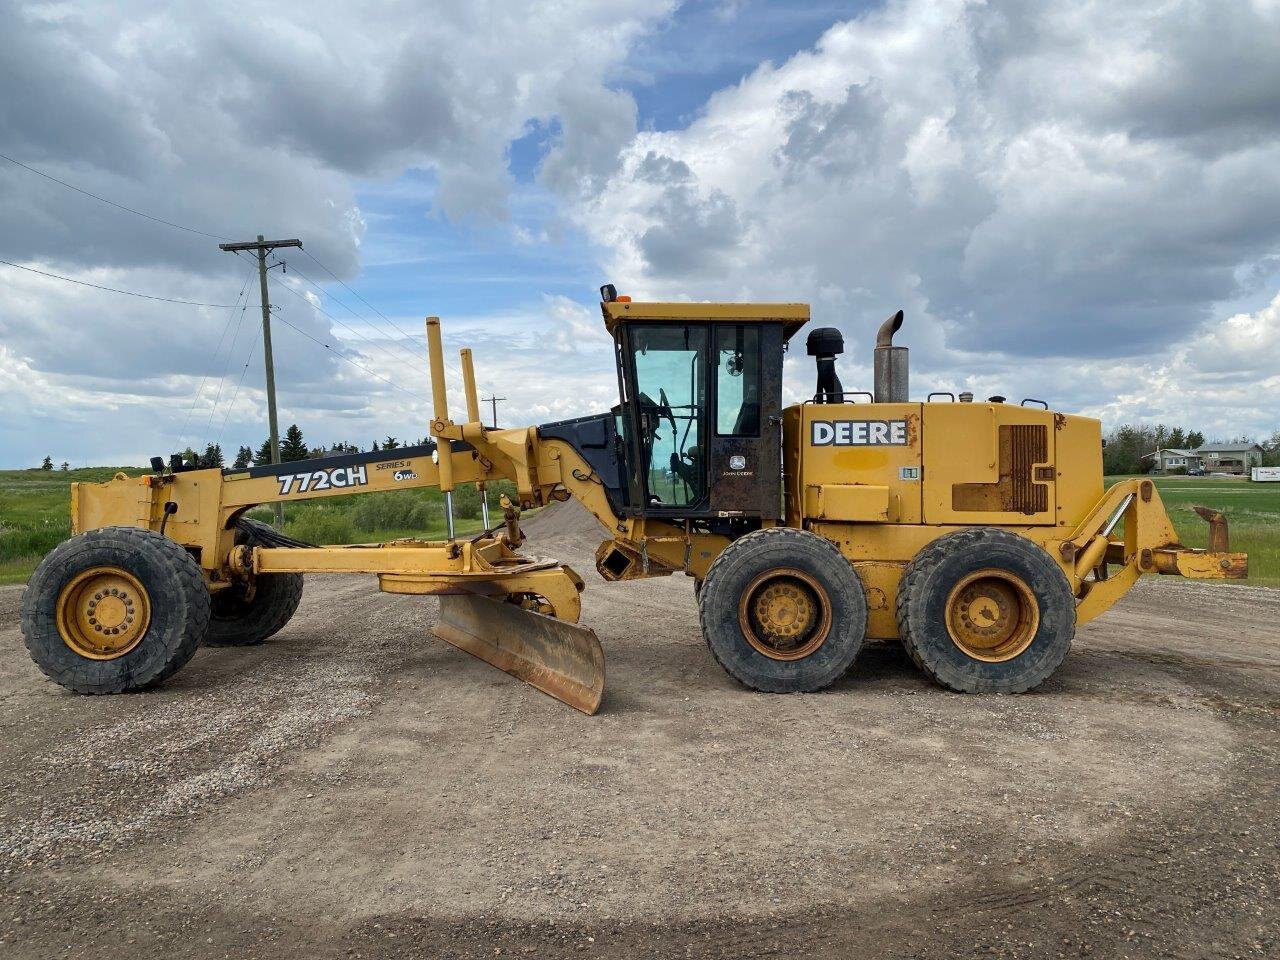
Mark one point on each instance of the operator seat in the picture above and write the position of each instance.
(748, 421)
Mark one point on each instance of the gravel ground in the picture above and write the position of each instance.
(357, 788)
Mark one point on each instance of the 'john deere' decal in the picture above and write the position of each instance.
(335, 478)
(858, 433)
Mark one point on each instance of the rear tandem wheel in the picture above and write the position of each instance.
(986, 611)
(243, 615)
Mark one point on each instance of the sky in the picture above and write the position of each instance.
(1077, 202)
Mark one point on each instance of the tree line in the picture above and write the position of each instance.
(1126, 446)
(293, 446)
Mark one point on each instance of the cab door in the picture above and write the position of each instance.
(666, 382)
(746, 428)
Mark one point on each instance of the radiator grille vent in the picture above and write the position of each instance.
(1022, 446)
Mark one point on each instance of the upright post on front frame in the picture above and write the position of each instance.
(473, 416)
(440, 418)
(469, 385)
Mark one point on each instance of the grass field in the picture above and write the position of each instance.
(35, 516)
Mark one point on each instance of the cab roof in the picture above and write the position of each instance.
(793, 316)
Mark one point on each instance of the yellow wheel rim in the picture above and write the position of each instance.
(992, 615)
(103, 613)
(785, 614)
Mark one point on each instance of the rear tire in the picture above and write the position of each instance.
(783, 611)
(114, 610)
(986, 611)
(238, 620)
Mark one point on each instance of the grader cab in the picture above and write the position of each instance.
(978, 534)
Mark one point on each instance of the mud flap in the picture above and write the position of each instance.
(560, 658)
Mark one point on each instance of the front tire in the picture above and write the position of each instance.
(783, 611)
(986, 611)
(114, 610)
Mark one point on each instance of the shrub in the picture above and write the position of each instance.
(466, 502)
(321, 526)
(466, 499)
(393, 510)
(262, 515)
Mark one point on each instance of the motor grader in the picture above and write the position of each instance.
(976, 533)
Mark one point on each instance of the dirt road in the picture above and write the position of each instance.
(356, 788)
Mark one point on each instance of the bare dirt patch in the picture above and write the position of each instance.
(355, 787)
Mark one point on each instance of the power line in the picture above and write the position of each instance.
(395, 336)
(226, 365)
(348, 289)
(118, 206)
(127, 293)
(395, 326)
(203, 380)
(417, 360)
(322, 311)
(194, 303)
(213, 236)
(253, 348)
(340, 356)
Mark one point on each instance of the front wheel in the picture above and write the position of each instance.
(114, 610)
(783, 611)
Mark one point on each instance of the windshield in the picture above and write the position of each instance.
(669, 364)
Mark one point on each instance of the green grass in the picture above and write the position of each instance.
(1252, 511)
(35, 515)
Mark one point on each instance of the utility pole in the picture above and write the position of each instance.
(493, 403)
(260, 249)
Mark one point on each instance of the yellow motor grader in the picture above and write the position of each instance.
(977, 533)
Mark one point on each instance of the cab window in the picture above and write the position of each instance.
(670, 363)
(737, 360)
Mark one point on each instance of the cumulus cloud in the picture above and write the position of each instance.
(1078, 202)
(1083, 184)
(236, 119)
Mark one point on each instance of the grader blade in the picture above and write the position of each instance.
(560, 658)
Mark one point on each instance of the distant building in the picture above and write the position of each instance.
(1166, 461)
(1234, 458)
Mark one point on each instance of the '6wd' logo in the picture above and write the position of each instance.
(333, 478)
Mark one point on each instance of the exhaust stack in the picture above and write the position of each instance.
(890, 364)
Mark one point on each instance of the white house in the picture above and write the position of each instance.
(1170, 459)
